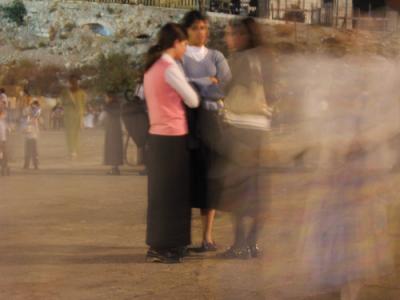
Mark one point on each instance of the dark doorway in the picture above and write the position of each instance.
(366, 5)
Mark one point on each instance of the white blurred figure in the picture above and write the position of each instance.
(89, 118)
(345, 238)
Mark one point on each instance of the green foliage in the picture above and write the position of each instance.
(46, 81)
(69, 26)
(110, 10)
(21, 71)
(15, 12)
(39, 80)
(42, 44)
(115, 74)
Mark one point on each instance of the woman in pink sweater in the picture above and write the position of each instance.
(167, 91)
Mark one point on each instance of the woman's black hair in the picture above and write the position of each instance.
(74, 76)
(167, 36)
(252, 30)
(192, 17)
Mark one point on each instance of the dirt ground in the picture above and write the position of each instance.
(68, 231)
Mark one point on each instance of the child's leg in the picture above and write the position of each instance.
(30, 149)
(27, 154)
(3, 153)
(35, 154)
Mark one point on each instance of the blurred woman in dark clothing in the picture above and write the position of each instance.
(113, 145)
(239, 191)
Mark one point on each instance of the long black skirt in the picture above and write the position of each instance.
(169, 205)
(113, 144)
(203, 156)
(234, 176)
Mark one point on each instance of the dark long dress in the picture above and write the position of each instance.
(205, 138)
(113, 146)
(201, 123)
(234, 175)
(169, 206)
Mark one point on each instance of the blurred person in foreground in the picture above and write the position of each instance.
(345, 240)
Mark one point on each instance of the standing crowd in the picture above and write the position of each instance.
(204, 137)
(208, 116)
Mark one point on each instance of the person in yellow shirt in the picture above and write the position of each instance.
(74, 102)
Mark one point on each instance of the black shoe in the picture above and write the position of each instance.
(114, 172)
(163, 256)
(255, 251)
(236, 253)
(183, 252)
(205, 247)
(142, 172)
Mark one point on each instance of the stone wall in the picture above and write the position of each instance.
(74, 33)
(66, 29)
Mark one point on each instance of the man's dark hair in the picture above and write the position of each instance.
(192, 17)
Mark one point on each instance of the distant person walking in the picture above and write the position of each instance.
(74, 103)
(113, 144)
